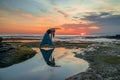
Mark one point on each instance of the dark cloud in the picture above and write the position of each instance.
(63, 13)
(109, 23)
(104, 19)
(104, 13)
(92, 15)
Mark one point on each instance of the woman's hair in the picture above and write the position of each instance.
(49, 31)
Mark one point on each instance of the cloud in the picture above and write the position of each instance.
(98, 22)
(94, 27)
(108, 22)
(75, 25)
(80, 26)
(52, 2)
(103, 18)
(15, 12)
(2, 18)
(74, 28)
(61, 12)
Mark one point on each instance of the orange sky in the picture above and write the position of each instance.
(72, 16)
(38, 25)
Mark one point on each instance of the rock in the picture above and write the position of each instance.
(1, 45)
(98, 69)
(86, 76)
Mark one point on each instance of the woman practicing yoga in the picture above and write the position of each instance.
(47, 38)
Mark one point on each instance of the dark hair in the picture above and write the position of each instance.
(49, 31)
(1, 39)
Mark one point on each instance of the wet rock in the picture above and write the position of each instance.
(86, 76)
(98, 69)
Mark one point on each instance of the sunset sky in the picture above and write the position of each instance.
(72, 16)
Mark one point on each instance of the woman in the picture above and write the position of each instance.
(47, 38)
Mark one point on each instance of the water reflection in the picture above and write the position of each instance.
(37, 69)
(48, 57)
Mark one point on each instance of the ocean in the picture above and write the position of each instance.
(69, 38)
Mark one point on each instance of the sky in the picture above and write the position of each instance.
(74, 17)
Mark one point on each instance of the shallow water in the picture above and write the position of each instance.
(37, 69)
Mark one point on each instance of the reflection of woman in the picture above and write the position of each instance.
(47, 38)
(49, 59)
(47, 55)
(51, 62)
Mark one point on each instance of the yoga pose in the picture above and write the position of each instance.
(47, 38)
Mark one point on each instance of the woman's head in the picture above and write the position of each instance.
(52, 31)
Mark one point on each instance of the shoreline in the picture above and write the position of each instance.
(21, 40)
(15, 52)
(93, 53)
(104, 62)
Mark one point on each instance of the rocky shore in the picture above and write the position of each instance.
(109, 37)
(12, 53)
(104, 62)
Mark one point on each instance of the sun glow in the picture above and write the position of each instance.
(82, 34)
